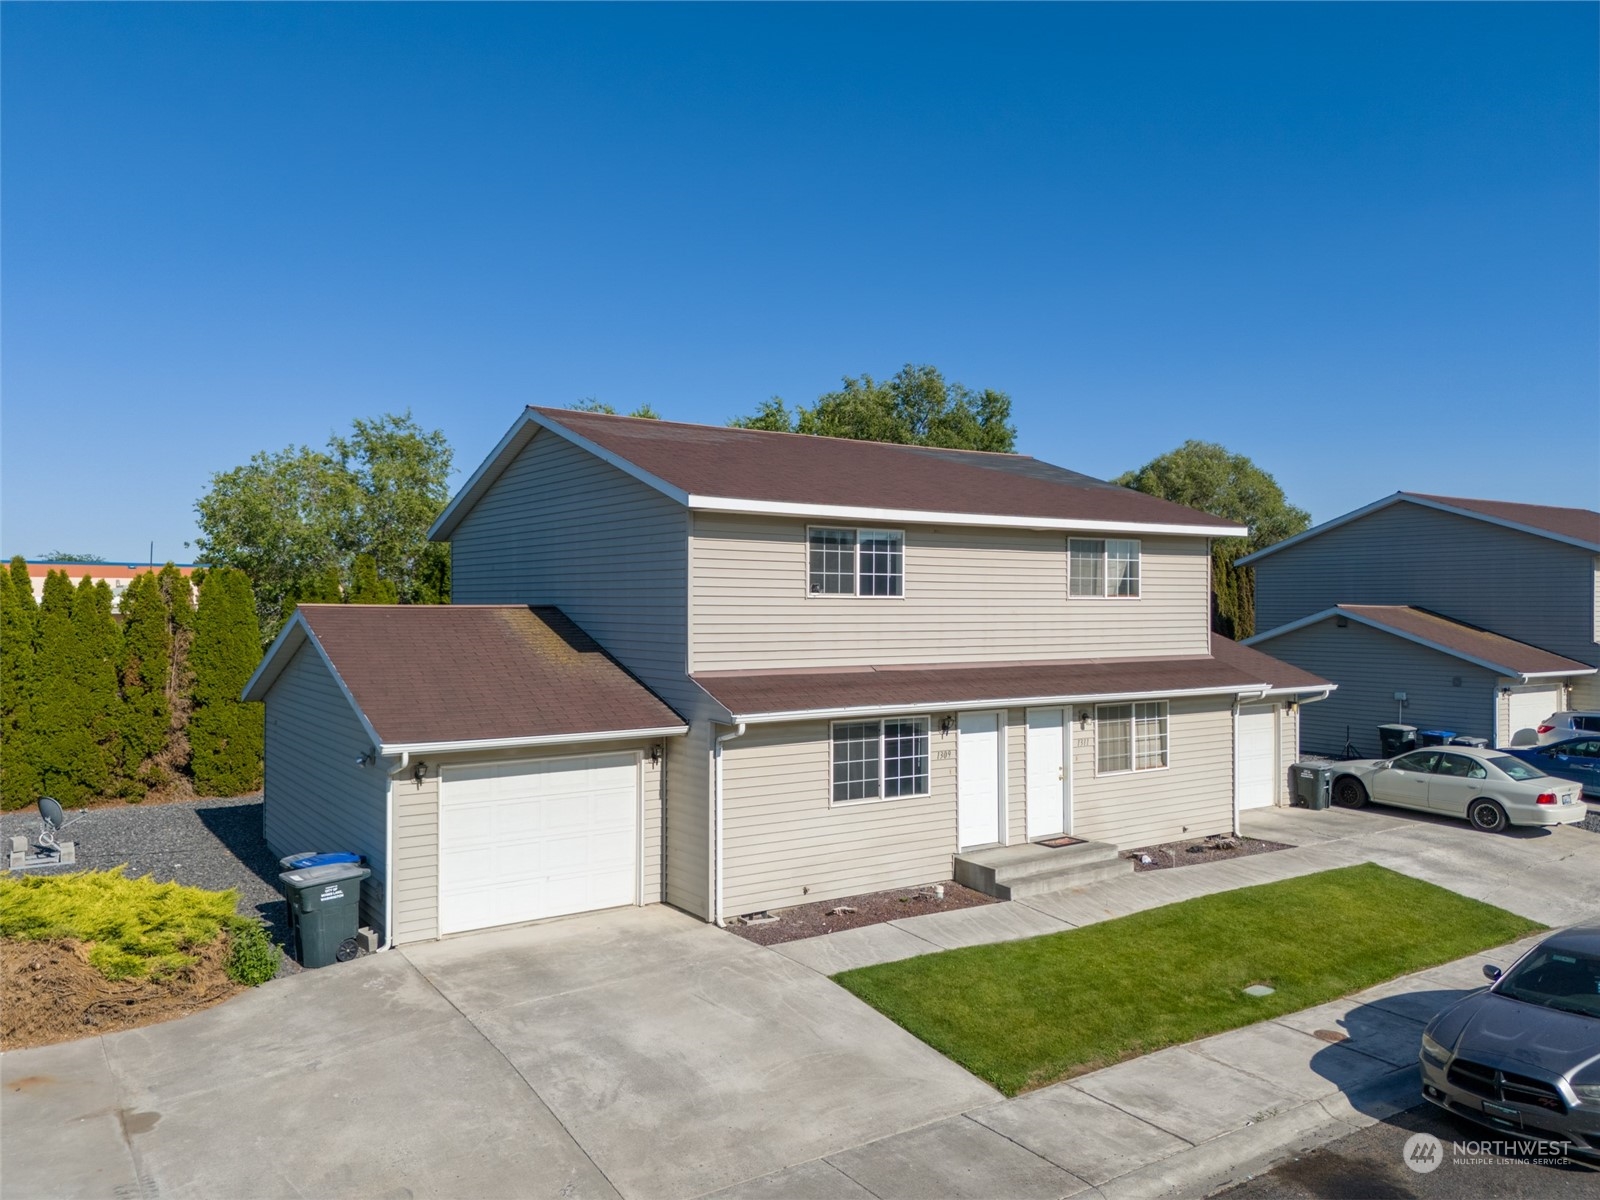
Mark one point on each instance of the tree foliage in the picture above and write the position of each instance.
(1209, 477)
(66, 556)
(916, 408)
(68, 762)
(295, 521)
(147, 634)
(590, 404)
(225, 733)
(18, 770)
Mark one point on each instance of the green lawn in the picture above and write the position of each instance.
(1024, 1014)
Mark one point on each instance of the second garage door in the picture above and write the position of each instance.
(524, 840)
(1258, 756)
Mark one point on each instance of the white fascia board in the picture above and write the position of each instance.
(1319, 692)
(911, 516)
(1418, 639)
(555, 739)
(1317, 530)
(281, 652)
(872, 710)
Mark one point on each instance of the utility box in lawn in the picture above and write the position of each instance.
(1312, 784)
(324, 910)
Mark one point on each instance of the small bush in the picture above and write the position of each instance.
(252, 956)
(133, 927)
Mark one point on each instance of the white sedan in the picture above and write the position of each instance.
(1488, 788)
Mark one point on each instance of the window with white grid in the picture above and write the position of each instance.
(833, 561)
(855, 562)
(880, 760)
(882, 558)
(1102, 567)
(1130, 737)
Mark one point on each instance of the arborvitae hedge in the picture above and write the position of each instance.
(225, 733)
(146, 665)
(18, 774)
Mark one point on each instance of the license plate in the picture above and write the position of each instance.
(1500, 1110)
(1566, 799)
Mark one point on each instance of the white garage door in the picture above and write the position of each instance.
(1529, 706)
(524, 840)
(1258, 756)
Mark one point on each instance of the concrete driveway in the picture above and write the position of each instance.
(637, 1052)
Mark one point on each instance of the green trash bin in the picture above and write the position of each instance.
(325, 909)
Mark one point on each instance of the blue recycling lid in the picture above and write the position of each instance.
(323, 860)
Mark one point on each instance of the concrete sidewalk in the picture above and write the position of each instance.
(1183, 1121)
(1551, 876)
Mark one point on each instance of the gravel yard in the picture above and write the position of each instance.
(205, 843)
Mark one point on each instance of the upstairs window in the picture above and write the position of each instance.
(856, 562)
(1103, 567)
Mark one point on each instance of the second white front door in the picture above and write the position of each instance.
(1049, 788)
(980, 784)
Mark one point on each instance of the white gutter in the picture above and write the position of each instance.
(388, 851)
(716, 821)
(557, 739)
(768, 718)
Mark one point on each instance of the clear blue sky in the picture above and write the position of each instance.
(1355, 242)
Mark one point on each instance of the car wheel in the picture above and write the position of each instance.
(1348, 793)
(1487, 816)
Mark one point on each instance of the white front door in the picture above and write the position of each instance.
(1258, 755)
(519, 841)
(980, 787)
(1049, 787)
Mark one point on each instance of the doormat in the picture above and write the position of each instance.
(1057, 843)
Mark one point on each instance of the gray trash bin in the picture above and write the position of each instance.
(1311, 784)
(325, 910)
(1396, 739)
(1462, 739)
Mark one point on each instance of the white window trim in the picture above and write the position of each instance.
(857, 530)
(880, 798)
(1133, 751)
(1105, 572)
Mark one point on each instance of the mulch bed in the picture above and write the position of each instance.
(873, 908)
(1198, 850)
(49, 993)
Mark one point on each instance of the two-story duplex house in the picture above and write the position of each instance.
(1483, 614)
(828, 667)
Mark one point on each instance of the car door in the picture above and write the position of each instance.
(1455, 782)
(1577, 760)
(1405, 781)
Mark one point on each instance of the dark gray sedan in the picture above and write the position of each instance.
(1523, 1056)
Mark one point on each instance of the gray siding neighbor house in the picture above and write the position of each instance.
(1484, 614)
(731, 670)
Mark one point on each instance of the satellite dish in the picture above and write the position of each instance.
(52, 812)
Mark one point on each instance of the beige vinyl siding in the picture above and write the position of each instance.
(1370, 666)
(1192, 797)
(562, 527)
(1549, 694)
(1288, 749)
(416, 833)
(1516, 584)
(785, 844)
(1584, 694)
(1016, 831)
(971, 595)
(315, 797)
(687, 872)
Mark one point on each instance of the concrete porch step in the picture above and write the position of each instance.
(1014, 872)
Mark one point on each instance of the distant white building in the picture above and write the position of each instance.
(118, 575)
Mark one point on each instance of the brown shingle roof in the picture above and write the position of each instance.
(792, 468)
(1454, 637)
(1229, 666)
(449, 673)
(1580, 523)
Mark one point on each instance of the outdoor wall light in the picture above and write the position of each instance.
(366, 758)
(946, 723)
(1083, 721)
(419, 773)
(655, 755)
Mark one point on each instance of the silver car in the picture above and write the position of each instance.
(1489, 788)
(1523, 1056)
(1557, 727)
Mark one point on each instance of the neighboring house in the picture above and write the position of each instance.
(1485, 614)
(117, 575)
(829, 667)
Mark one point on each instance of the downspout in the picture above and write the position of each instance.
(716, 822)
(388, 852)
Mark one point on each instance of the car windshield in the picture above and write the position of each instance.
(1555, 978)
(1516, 768)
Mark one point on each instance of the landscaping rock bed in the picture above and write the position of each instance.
(1198, 850)
(853, 912)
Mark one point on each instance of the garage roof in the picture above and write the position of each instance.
(1455, 638)
(721, 469)
(786, 695)
(431, 677)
